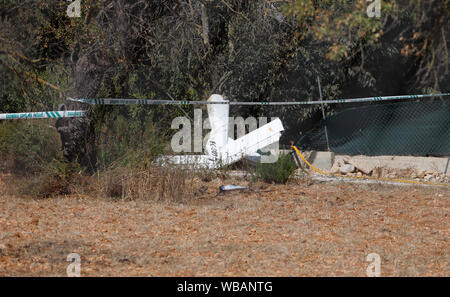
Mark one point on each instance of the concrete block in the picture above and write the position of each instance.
(322, 160)
(367, 164)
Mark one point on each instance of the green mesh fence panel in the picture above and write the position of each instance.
(402, 128)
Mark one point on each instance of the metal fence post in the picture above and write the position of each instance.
(323, 114)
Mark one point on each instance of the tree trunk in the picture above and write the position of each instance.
(78, 134)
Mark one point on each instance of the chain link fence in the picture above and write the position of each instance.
(416, 128)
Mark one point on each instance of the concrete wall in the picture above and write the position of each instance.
(327, 161)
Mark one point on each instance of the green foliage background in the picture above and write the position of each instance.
(187, 50)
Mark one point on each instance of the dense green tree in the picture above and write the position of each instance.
(186, 49)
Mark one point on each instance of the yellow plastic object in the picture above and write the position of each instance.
(297, 151)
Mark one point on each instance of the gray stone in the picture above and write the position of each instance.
(421, 165)
(347, 168)
(322, 160)
(428, 177)
(361, 165)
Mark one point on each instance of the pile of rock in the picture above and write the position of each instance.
(349, 168)
(431, 176)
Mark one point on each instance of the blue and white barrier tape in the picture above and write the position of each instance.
(44, 115)
(113, 101)
(107, 101)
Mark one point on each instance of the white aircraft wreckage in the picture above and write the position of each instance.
(221, 150)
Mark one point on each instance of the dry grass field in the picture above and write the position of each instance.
(298, 229)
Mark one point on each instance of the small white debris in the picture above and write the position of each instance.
(232, 188)
(347, 168)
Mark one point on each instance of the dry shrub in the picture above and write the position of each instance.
(114, 186)
(27, 147)
(175, 184)
(156, 183)
(58, 178)
(44, 186)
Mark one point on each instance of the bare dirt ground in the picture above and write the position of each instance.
(298, 229)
